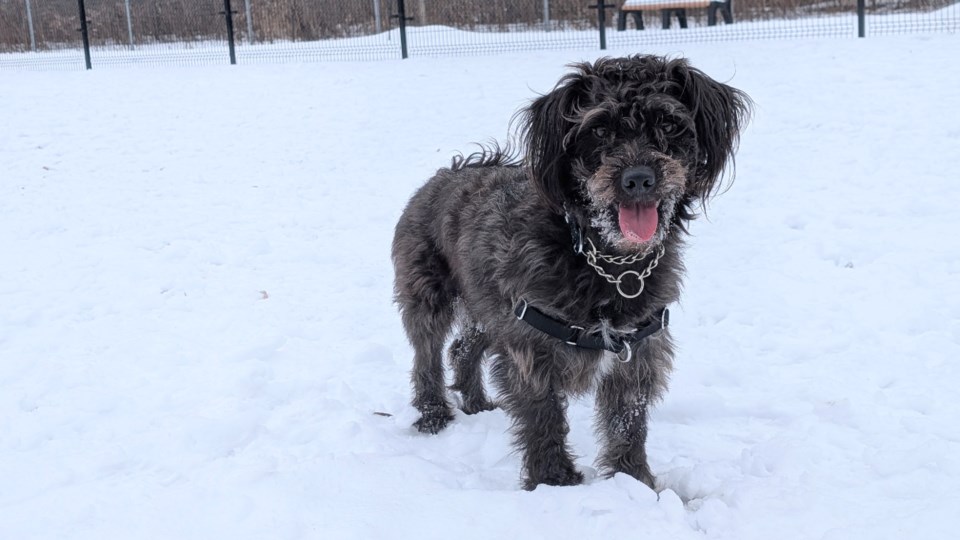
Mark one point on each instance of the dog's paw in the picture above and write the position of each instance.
(433, 423)
(648, 479)
(565, 475)
(477, 406)
(641, 473)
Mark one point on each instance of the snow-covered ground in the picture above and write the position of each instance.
(196, 327)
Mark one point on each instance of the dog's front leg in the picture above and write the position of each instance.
(623, 398)
(531, 397)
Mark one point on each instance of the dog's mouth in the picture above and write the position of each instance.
(638, 221)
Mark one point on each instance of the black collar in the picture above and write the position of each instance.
(574, 335)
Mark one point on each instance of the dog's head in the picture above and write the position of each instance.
(632, 144)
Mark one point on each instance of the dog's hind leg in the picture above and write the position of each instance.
(466, 356)
(427, 328)
(425, 294)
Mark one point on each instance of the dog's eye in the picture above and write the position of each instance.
(600, 132)
(669, 128)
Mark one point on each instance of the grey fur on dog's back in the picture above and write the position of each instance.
(490, 230)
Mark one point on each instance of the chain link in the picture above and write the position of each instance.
(593, 256)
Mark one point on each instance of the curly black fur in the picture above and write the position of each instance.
(490, 230)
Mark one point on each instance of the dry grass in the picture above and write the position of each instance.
(56, 23)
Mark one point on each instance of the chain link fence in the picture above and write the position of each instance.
(49, 34)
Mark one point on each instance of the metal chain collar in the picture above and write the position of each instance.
(593, 256)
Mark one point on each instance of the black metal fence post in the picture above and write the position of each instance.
(402, 18)
(861, 18)
(601, 8)
(84, 32)
(228, 15)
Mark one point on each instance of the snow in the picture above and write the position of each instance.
(196, 327)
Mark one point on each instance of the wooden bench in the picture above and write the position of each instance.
(669, 8)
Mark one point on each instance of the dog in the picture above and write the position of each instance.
(559, 266)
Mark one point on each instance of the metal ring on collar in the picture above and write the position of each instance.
(620, 282)
(629, 350)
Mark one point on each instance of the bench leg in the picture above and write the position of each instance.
(665, 14)
(622, 19)
(724, 12)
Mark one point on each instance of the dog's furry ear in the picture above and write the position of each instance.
(547, 128)
(719, 112)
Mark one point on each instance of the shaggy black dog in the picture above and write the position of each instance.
(560, 267)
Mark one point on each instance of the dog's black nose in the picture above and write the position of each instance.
(638, 180)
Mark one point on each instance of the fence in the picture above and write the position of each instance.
(73, 34)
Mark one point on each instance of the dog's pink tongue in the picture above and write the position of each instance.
(638, 222)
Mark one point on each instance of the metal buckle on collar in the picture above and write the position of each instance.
(628, 345)
(576, 233)
(578, 331)
(523, 312)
